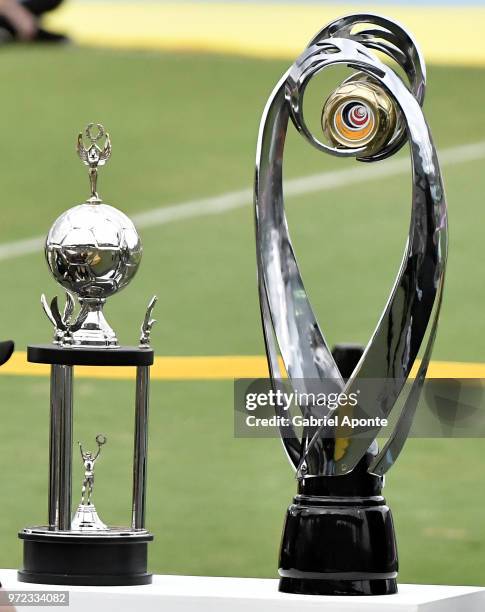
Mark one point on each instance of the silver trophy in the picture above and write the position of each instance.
(93, 250)
(338, 537)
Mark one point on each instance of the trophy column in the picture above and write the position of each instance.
(60, 448)
(140, 447)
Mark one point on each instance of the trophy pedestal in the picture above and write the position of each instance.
(86, 519)
(338, 537)
(83, 559)
(338, 546)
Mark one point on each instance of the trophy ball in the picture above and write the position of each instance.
(93, 250)
(359, 114)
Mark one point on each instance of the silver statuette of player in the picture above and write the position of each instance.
(86, 517)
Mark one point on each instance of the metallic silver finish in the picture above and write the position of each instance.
(110, 532)
(94, 156)
(408, 322)
(86, 519)
(89, 461)
(388, 37)
(54, 435)
(64, 325)
(148, 323)
(93, 250)
(140, 447)
(60, 448)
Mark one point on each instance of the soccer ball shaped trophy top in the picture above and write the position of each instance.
(93, 250)
(338, 536)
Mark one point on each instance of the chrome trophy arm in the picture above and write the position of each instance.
(285, 309)
(407, 314)
(394, 346)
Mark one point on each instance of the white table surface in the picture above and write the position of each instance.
(207, 594)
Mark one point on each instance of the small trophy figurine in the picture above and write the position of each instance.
(93, 251)
(86, 517)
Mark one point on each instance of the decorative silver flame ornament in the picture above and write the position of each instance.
(93, 250)
(331, 544)
(148, 323)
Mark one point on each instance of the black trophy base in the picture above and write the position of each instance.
(338, 546)
(302, 586)
(89, 560)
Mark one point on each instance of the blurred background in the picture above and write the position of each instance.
(181, 88)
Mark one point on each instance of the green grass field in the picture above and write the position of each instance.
(184, 127)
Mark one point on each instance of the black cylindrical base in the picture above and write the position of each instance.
(89, 560)
(338, 546)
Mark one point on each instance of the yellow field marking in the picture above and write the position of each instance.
(262, 29)
(211, 368)
(455, 369)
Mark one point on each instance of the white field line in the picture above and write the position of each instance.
(293, 187)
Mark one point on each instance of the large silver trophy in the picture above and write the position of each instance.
(338, 536)
(93, 250)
